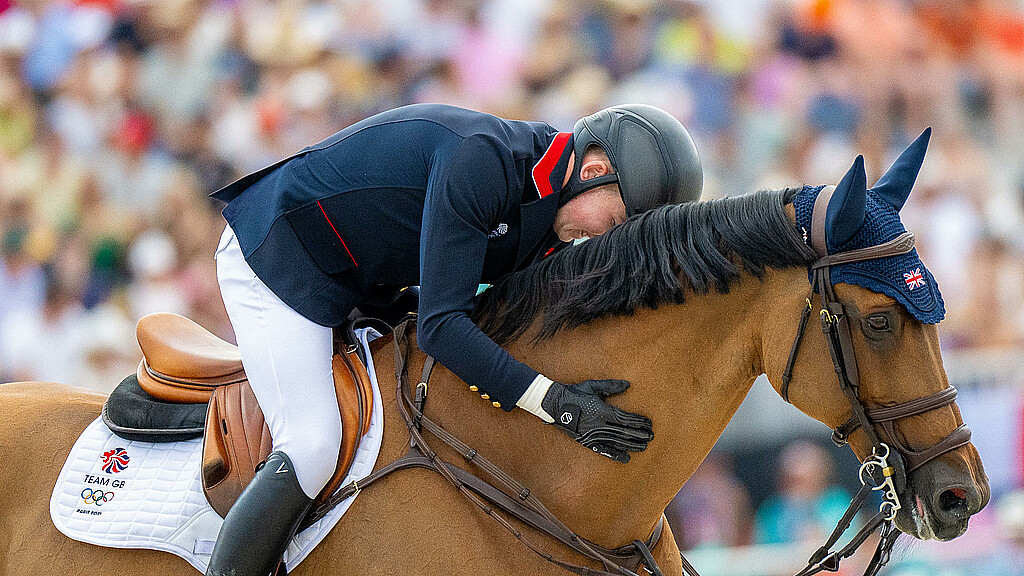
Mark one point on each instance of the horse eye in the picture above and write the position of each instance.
(878, 323)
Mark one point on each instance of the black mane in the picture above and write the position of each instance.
(651, 259)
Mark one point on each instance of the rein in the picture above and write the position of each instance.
(515, 499)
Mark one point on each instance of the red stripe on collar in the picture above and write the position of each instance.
(542, 169)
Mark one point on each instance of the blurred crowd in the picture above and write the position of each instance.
(119, 117)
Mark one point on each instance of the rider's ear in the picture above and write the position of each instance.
(593, 167)
(894, 186)
(845, 212)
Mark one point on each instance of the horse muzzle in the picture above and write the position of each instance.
(940, 499)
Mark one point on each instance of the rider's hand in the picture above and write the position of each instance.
(580, 410)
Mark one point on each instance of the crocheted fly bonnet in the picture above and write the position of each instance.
(859, 217)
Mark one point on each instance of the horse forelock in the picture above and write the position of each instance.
(654, 258)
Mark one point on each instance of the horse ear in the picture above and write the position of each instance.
(894, 186)
(845, 213)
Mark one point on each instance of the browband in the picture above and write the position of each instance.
(899, 245)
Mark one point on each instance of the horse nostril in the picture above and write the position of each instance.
(954, 502)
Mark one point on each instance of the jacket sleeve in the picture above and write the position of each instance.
(465, 197)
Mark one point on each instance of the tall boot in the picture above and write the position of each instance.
(262, 521)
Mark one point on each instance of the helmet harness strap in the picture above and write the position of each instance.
(576, 186)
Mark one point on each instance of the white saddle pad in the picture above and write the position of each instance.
(127, 494)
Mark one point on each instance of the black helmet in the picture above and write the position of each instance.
(654, 158)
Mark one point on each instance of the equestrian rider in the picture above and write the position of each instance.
(428, 195)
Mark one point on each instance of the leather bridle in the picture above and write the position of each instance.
(876, 472)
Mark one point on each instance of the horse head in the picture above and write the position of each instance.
(890, 308)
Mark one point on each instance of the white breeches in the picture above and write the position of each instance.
(288, 361)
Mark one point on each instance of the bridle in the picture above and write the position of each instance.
(877, 473)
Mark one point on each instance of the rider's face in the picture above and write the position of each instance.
(590, 214)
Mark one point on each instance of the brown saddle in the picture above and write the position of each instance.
(184, 363)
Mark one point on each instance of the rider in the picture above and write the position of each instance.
(432, 195)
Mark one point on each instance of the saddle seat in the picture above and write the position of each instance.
(186, 364)
(182, 361)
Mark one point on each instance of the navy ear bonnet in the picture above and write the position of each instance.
(904, 277)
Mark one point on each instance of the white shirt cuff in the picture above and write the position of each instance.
(534, 395)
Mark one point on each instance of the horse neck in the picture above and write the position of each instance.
(690, 367)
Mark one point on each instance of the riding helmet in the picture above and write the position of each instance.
(654, 158)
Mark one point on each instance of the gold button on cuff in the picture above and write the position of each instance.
(473, 388)
(496, 404)
(485, 396)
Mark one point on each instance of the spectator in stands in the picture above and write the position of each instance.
(712, 509)
(807, 504)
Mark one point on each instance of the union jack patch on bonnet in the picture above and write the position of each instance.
(914, 279)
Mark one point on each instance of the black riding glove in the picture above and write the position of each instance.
(581, 411)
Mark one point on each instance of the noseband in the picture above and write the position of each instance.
(876, 473)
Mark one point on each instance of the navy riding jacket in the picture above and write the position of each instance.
(428, 194)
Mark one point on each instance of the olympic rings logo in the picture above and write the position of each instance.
(97, 497)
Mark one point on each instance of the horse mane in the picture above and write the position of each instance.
(651, 259)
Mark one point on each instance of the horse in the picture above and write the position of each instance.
(689, 303)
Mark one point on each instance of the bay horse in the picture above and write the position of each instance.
(690, 303)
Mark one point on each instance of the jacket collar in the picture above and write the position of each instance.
(549, 172)
(540, 204)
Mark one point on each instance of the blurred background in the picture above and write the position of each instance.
(118, 117)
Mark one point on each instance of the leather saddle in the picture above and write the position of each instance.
(184, 363)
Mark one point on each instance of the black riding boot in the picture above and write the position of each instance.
(262, 521)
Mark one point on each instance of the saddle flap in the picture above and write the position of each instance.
(365, 389)
(350, 406)
(236, 439)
